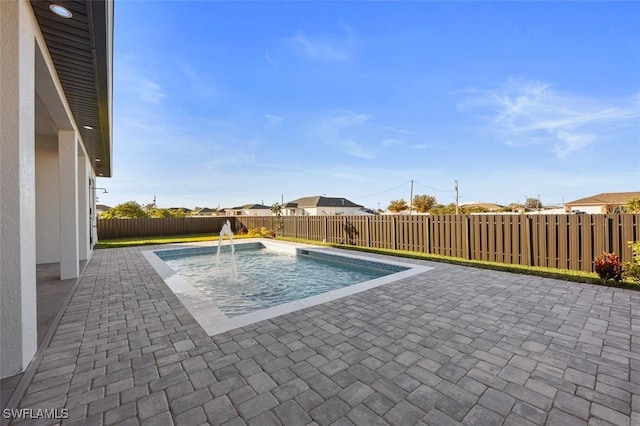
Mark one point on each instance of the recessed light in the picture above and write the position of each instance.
(60, 11)
(88, 127)
(98, 160)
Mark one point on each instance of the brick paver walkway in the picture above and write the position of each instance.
(455, 345)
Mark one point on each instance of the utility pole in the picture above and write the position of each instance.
(539, 203)
(456, 188)
(411, 199)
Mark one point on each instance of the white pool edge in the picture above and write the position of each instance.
(214, 321)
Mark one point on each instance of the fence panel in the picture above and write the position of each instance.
(355, 230)
(381, 232)
(254, 222)
(150, 227)
(556, 241)
(335, 230)
(411, 233)
(625, 228)
(317, 230)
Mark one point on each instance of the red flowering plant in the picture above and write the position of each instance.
(608, 266)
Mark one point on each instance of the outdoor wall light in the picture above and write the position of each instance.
(104, 190)
(60, 11)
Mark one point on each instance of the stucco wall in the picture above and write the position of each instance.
(17, 188)
(47, 201)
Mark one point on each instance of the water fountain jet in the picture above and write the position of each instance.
(226, 230)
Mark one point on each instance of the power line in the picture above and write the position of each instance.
(381, 192)
(433, 189)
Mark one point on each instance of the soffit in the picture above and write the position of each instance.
(81, 50)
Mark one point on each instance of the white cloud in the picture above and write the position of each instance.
(198, 84)
(357, 134)
(134, 84)
(323, 48)
(273, 121)
(148, 91)
(358, 150)
(524, 113)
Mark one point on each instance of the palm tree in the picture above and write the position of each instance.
(397, 206)
(424, 203)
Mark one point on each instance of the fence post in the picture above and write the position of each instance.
(467, 219)
(528, 232)
(325, 228)
(427, 232)
(368, 231)
(345, 235)
(393, 234)
(607, 233)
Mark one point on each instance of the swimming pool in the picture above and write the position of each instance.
(255, 278)
(265, 279)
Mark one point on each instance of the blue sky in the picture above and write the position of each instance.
(230, 103)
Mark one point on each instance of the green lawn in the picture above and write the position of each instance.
(560, 274)
(146, 241)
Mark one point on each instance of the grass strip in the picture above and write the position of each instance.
(559, 274)
(146, 241)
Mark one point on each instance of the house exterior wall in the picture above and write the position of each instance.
(319, 211)
(18, 320)
(47, 202)
(85, 210)
(44, 182)
(257, 212)
(590, 209)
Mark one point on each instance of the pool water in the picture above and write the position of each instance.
(252, 280)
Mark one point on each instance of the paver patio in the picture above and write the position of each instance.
(455, 345)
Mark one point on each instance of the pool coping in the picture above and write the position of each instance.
(214, 321)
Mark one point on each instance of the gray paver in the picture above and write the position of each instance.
(292, 414)
(454, 345)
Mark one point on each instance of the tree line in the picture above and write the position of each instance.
(429, 204)
(134, 210)
(420, 204)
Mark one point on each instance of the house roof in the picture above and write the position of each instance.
(618, 198)
(488, 206)
(206, 210)
(102, 207)
(81, 48)
(319, 201)
(251, 207)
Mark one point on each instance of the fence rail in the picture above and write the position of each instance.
(555, 241)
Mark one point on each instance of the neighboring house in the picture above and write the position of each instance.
(601, 203)
(205, 211)
(311, 206)
(181, 209)
(101, 208)
(489, 207)
(56, 119)
(249, 210)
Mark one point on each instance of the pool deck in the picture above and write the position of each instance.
(454, 345)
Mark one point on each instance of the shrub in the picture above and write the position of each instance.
(608, 266)
(262, 232)
(632, 269)
(267, 232)
(253, 232)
